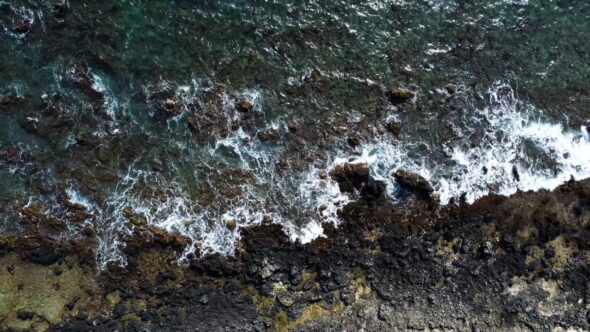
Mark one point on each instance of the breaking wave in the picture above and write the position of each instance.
(503, 147)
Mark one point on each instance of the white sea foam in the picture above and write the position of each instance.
(518, 150)
(110, 103)
(75, 197)
(514, 137)
(300, 201)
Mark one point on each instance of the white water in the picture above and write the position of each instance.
(512, 130)
(302, 201)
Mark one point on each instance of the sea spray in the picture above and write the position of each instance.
(519, 150)
(302, 201)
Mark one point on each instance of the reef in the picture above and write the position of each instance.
(503, 263)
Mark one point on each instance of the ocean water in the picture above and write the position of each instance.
(500, 98)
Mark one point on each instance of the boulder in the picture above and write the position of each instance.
(231, 225)
(193, 122)
(171, 107)
(451, 88)
(353, 141)
(22, 26)
(268, 134)
(245, 106)
(394, 127)
(351, 176)
(356, 172)
(400, 95)
(413, 182)
(10, 99)
(25, 315)
(294, 126)
(30, 124)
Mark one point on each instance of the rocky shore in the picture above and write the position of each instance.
(138, 138)
(519, 263)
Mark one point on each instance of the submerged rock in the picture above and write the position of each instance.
(22, 26)
(82, 78)
(60, 9)
(413, 182)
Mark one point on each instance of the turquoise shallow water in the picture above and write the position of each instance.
(85, 84)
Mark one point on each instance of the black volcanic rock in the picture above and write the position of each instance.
(413, 182)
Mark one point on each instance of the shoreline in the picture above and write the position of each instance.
(517, 263)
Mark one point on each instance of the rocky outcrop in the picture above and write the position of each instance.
(353, 177)
(502, 263)
(413, 182)
(400, 95)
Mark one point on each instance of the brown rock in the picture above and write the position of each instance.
(293, 126)
(413, 182)
(286, 299)
(394, 127)
(268, 134)
(350, 170)
(451, 88)
(134, 218)
(267, 219)
(163, 236)
(22, 26)
(170, 103)
(400, 95)
(353, 141)
(245, 106)
(232, 224)
(171, 107)
(193, 122)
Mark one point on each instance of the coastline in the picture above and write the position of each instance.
(502, 263)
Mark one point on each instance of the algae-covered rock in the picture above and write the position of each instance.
(32, 295)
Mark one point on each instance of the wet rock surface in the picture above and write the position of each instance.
(413, 182)
(517, 263)
(88, 106)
